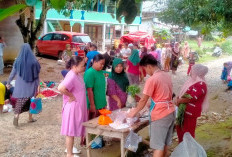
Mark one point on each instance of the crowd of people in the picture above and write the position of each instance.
(85, 88)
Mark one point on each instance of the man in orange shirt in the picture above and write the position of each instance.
(162, 110)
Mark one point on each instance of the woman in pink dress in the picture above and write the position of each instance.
(74, 111)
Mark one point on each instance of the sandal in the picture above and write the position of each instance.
(32, 120)
(15, 122)
(74, 151)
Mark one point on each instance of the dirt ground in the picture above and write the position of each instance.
(43, 139)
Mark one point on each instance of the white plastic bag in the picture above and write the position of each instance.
(189, 148)
(132, 141)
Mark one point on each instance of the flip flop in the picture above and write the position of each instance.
(74, 151)
(31, 121)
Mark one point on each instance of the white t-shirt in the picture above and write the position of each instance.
(126, 52)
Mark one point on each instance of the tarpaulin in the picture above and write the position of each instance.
(138, 37)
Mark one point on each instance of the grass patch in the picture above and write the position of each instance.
(206, 58)
(215, 137)
(207, 45)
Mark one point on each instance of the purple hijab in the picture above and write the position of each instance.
(26, 64)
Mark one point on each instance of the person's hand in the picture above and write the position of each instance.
(132, 113)
(72, 98)
(176, 101)
(119, 104)
(92, 108)
(8, 86)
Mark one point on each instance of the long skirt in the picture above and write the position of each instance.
(188, 126)
(174, 63)
(22, 105)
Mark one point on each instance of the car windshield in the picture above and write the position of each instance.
(81, 39)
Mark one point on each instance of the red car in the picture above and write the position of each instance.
(54, 43)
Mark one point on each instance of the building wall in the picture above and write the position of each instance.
(11, 34)
(146, 26)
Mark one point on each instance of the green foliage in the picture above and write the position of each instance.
(200, 51)
(208, 14)
(133, 90)
(58, 5)
(227, 46)
(162, 35)
(181, 111)
(127, 9)
(4, 13)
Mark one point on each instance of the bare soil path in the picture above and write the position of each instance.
(43, 139)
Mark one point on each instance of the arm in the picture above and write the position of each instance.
(140, 106)
(91, 99)
(12, 75)
(116, 98)
(64, 91)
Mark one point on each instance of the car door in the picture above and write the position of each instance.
(45, 45)
(57, 44)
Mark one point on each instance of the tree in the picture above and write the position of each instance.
(31, 29)
(206, 15)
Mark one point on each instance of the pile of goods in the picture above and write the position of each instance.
(47, 93)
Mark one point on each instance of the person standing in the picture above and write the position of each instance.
(2, 45)
(26, 68)
(175, 57)
(153, 52)
(117, 84)
(197, 88)
(74, 111)
(199, 41)
(96, 86)
(186, 50)
(162, 111)
(90, 55)
(168, 55)
(126, 51)
(87, 48)
(132, 68)
(192, 59)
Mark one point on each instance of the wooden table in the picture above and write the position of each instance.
(92, 127)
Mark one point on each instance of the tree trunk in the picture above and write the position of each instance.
(32, 30)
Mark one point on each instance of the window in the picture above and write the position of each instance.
(57, 37)
(91, 31)
(109, 32)
(64, 37)
(81, 39)
(47, 37)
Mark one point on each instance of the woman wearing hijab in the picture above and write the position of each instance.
(26, 68)
(175, 57)
(117, 83)
(133, 66)
(196, 87)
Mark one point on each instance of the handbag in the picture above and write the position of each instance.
(36, 105)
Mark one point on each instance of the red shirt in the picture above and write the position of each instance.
(133, 69)
(198, 92)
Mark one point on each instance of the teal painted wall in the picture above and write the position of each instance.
(90, 16)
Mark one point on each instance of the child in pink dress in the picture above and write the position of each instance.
(74, 111)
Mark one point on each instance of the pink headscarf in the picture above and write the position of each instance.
(198, 73)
